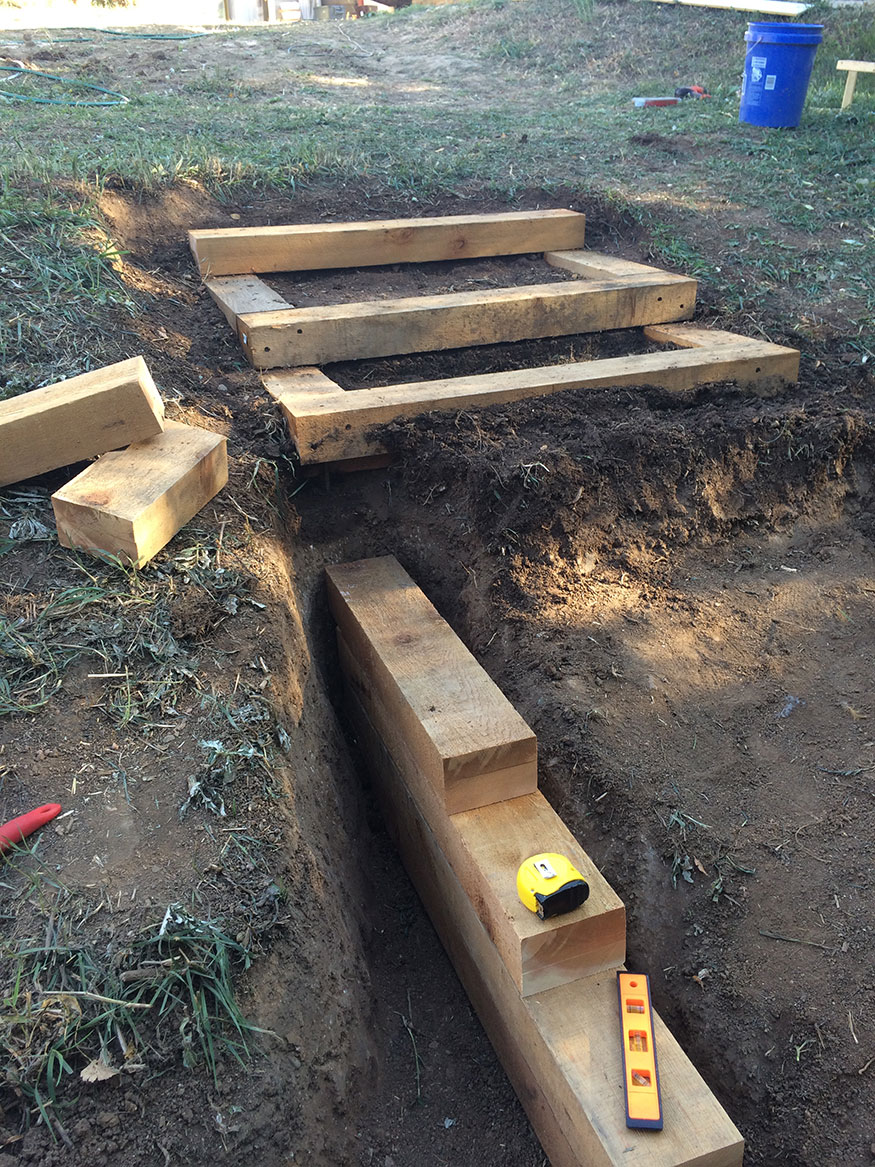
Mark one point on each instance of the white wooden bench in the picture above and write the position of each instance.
(853, 68)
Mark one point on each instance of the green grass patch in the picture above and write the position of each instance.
(57, 281)
(71, 1008)
(118, 620)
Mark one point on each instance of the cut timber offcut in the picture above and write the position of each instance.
(485, 847)
(240, 250)
(380, 328)
(131, 502)
(559, 1048)
(461, 730)
(78, 419)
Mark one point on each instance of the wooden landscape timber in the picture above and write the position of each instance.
(694, 336)
(77, 419)
(595, 265)
(308, 380)
(309, 247)
(769, 7)
(485, 847)
(331, 426)
(130, 503)
(236, 295)
(339, 332)
(461, 731)
(559, 1048)
(559, 1045)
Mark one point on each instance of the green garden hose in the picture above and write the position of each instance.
(117, 98)
(133, 36)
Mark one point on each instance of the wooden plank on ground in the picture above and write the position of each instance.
(77, 419)
(236, 295)
(595, 265)
(340, 332)
(485, 848)
(131, 502)
(342, 425)
(308, 247)
(308, 381)
(691, 336)
(462, 731)
(559, 1048)
(770, 7)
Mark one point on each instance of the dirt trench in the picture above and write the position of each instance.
(677, 597)
(676, 594)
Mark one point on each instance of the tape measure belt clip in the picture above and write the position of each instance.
(565, 899)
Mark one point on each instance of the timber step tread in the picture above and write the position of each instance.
(379, 328)
(227, 251)
(330, 425)
(244, 295)
(614, 292)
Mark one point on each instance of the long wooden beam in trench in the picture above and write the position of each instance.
(559, 1046)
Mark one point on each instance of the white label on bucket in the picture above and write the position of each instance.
(759, 62)
(770, 80)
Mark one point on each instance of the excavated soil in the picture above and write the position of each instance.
(677, 597)
(675, 592)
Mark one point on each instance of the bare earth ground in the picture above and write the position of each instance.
(674, 592)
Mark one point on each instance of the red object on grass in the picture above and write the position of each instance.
(16, 830)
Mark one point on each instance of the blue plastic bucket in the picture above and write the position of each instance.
(777, 69)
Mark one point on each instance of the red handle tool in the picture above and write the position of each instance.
(16, 830)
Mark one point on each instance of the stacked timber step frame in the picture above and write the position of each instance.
(437, 734)
(331, 425)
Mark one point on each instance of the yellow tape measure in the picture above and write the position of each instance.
(550, 885)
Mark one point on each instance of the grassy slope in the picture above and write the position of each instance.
(499, 96)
